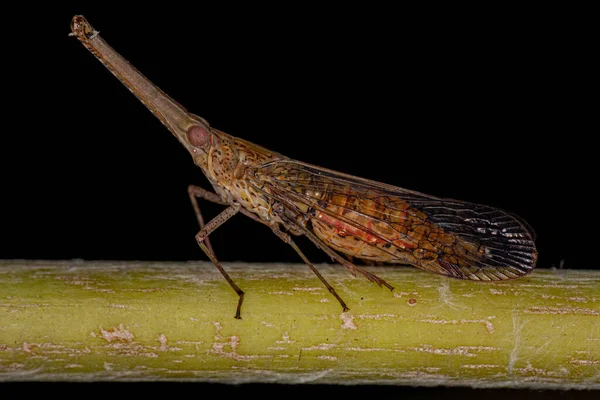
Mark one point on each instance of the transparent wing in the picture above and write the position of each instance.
(450, 237)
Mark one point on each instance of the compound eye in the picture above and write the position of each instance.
(197, 135)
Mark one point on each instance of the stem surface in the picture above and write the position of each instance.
(90, 321)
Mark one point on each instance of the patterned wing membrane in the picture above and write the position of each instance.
(505, 247)
(449, 237)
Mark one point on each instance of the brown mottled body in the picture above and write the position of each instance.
(373, 221)
(338, 212)
(367, 225)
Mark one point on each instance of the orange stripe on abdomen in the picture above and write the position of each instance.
(345, 229)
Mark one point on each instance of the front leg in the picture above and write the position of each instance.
(198, 192)
(201, 238)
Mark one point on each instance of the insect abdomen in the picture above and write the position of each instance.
(368, 229)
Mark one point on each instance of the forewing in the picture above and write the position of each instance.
(450, 237)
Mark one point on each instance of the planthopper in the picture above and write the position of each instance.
(344, 215)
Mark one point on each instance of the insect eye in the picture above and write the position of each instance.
(197, 135)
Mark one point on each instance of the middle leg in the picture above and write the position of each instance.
(336, 257)
(287, 239)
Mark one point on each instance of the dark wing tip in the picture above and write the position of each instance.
(493, 245)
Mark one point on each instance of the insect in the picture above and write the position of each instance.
(340, 213)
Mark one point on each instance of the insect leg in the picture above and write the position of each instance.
(287, 239)
(195, 192)
(201, 238)
(370, 276)
(350, 266)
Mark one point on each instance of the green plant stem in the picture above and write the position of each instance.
(90, 321)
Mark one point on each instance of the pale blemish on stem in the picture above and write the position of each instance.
(85, 282)
(26, 347)
(374, 349)
(285, 339)
(585, 362)
(190, 342)
(560, 310)
(321, 346)
(163, 342)
(379, 316)
(41, 350)
(348, 320)
(121, 306)
(218, 329)
(117, 333)
(459, 350)
(445, 294)
(329, 358)
(488, 325)
(12, 367)
(480, 366)
(575, 299)
(543, 286)
(130, 350)
(23, 306)
(233, 341)
(74, 280)
(481, 348)
(399, 295)
(146, 290)
(219, 344)
(442, 351)
(531, 370)
(517, 328)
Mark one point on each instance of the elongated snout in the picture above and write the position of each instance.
(188, 128)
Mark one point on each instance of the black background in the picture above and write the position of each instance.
(491, 107)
